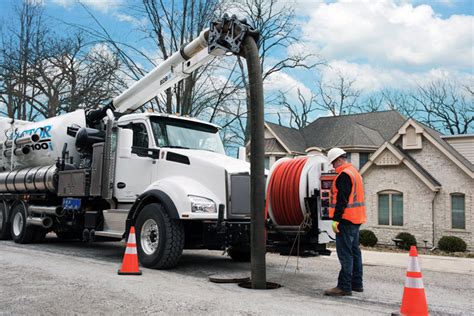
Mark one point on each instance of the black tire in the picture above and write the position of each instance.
(239, 254)
(168, 246)
(21, 233)
(5, 225)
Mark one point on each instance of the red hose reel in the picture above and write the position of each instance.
(283, 192)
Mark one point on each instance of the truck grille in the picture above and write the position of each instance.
(239, 196)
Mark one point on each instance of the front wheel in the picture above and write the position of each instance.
(5, 233)
(160, 239)
(21, 233)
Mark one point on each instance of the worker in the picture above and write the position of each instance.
(347, 211)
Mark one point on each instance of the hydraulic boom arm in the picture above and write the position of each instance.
(224, 36)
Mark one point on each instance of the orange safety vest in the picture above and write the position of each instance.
(355, 209)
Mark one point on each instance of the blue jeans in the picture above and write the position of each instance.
(350, 257)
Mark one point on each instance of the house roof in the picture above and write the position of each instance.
(357, 135)
(435, 138)
(408, 161)
(273, 146)
(366, 129)
(290, 137)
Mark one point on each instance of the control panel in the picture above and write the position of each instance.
(325, 193)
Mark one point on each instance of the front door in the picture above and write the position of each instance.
(133, 174)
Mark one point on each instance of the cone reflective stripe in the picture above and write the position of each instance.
(131, 250)
(130, 259)
(414, 298)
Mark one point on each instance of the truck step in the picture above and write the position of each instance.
(111, 234)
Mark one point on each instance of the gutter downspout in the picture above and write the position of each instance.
(433, 218)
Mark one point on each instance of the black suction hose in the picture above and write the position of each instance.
(257, 157)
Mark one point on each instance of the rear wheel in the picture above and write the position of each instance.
(160, 239)
(21, 233)
(5, 233)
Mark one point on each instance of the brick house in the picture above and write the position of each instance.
(417, 182)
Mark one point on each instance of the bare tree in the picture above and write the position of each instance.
(299, 113)
(338, 97)
(45, 74)
(443, 106)
(16, 58)
(275, 23)
(71, 74)
(373, 103)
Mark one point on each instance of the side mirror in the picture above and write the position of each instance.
(124, 143)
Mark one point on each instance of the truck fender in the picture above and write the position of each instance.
(148, 197)
(12, 206)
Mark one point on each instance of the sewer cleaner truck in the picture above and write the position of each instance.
(92, 174)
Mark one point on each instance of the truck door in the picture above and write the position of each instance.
(133, 174)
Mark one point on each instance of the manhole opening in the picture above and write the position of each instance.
(270, 285)
(229, 280)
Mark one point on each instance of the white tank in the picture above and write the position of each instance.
(52, 134)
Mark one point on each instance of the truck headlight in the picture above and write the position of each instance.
(202, 205)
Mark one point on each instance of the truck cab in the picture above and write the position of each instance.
(177, 166)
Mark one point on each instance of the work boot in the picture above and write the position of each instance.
(358, 289)
(337, 292)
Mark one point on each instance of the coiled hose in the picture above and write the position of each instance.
(283, 192)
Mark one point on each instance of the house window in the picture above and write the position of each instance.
(363, 158)
(390, 208)
(458, 218)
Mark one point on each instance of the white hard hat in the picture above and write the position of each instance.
(335, 153)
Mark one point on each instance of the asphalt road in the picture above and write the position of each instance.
(60, 278)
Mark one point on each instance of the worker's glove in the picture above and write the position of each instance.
(335, 227)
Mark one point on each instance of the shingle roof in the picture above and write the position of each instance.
(357, 135)
(291, 137)
(365, 129)
(354, 130)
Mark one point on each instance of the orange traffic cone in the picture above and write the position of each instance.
(130, 259)
(414, 298)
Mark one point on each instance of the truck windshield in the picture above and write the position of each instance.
(178, 133)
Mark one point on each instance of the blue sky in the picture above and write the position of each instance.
(395, 44)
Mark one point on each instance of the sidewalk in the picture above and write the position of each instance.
(427, 262)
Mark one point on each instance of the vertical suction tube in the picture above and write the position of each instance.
(257, 168)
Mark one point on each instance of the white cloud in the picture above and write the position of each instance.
(390, 33)
(280, 81)
(372, 78)
(130, 19)
(100, 5)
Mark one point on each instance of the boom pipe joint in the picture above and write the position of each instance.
(227, 33)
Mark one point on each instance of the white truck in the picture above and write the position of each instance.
(92, 174)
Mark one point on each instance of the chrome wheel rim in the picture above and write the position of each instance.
(149, 237)
(18, 224)
(1, 219)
